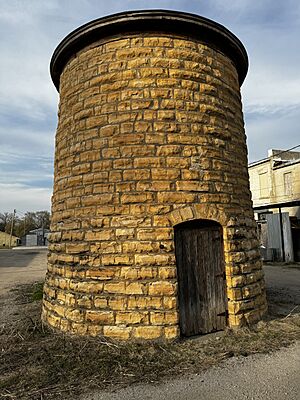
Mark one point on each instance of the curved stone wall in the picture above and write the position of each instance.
(150, 134)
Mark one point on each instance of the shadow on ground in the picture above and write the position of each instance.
(283, 290)
(19, 258)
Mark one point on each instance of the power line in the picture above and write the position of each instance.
(285, 151)
(268, 158)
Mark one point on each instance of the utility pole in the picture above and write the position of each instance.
(12, 227)
(43, 231)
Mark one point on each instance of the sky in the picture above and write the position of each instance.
(30, 30)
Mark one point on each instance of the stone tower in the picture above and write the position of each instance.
(153, 233)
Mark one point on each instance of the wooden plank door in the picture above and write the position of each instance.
(201, 277)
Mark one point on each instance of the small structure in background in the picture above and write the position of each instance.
(36, 237)
(275, 187)
(7, 241)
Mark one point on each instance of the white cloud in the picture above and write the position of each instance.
(279, 131)
(23, 198)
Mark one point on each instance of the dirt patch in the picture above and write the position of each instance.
(37, 363)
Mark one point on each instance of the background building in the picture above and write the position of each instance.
(275, 188)
(5, 240)
(36, 237)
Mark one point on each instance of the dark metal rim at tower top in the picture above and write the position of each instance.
(151, 21)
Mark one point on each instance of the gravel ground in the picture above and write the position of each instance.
(274, 377)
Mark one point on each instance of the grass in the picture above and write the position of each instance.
(28, 293)
(37, 363)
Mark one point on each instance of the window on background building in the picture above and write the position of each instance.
(288, 187)
(263, 184)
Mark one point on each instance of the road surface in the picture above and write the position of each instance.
(21, 266)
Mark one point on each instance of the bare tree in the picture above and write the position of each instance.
(22, 225)
(5, 219)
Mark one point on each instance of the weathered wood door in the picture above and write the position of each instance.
(201, 277)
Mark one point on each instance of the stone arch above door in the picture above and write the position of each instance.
(198, 211)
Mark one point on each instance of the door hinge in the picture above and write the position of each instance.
(223, 314)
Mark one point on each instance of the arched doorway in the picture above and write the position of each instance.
(201, 277)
